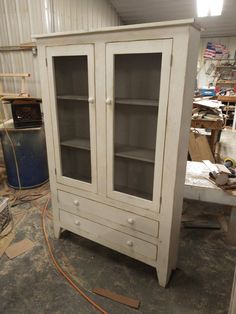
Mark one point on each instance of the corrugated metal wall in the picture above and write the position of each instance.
(19, 19)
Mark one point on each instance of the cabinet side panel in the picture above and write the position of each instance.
(185, 49)
(49, 132)
(190, 74)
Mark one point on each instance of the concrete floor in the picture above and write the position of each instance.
(201, 284)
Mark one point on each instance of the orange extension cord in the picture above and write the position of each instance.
(59, 269)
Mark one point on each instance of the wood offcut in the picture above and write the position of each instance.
(117, 297)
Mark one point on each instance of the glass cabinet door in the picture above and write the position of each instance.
(137, 93)
(72, 77)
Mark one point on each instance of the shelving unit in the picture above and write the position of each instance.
(226, 72)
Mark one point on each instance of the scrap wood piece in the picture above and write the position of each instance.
(5, 242)
(117, 297)
(199, 147)
(19, 248)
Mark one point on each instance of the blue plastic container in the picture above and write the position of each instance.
(207, 92)
(31, 154)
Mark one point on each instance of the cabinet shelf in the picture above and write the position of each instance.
(137, 102)
(77, 143)
(134, 192)
(136, 153)
(73, 97)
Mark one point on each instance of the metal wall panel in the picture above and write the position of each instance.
(19, 19)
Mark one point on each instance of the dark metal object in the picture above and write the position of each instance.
(26, 113)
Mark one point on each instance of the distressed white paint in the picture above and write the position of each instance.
(20, 19)
(185, 39)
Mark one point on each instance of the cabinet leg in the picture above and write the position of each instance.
(57, 230)
(231, 234)
(163, 278)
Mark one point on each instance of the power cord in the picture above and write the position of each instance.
(58, 267)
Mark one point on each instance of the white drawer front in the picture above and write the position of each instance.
(82, 206)
(112, 238)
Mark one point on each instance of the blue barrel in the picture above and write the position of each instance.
(31, 155)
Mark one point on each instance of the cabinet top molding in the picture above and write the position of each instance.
(122, 28)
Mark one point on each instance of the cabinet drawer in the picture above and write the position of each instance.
(107, 236)
(83, 207)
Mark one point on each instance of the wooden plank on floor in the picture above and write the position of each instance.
(19, 248)
(134, 303)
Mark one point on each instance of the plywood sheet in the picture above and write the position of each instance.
(199, 148)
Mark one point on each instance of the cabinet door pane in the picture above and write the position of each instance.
(136, 95)
(71, 82)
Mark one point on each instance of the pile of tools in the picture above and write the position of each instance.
(224, 175)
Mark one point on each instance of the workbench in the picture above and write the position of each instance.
(199, 187)
(214, 126)
(229, 100)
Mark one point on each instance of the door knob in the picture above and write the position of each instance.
(91, 100)
(77, 222)
(108, 101)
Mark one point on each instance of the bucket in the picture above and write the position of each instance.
(31, 154)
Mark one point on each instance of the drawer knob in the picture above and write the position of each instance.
(77, 222)
(131, 221)
(129, 243)
(76, 202)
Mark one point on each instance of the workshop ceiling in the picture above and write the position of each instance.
(143, 11)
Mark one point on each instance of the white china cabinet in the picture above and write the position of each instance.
(117, 105)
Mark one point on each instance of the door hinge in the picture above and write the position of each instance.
(160, 200)
(46, 61)
(171, 60)
(55, 171)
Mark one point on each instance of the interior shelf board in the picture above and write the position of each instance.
(73, 97)
(141, 154)
(137, 102)
(77, 143)
(134, 192)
